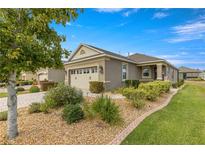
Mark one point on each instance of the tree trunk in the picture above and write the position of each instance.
(12, 131)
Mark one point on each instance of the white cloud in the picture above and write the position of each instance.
(180, 61)
(194, 30)
(129, 12)
(160, 15)
(183, 53)
(109, 10)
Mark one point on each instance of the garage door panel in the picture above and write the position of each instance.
(81, 81)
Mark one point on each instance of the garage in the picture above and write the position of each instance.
(42, 76)
(81, 77)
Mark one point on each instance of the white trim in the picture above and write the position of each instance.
(150, 72)
(122, 71)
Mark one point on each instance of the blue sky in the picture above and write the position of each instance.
(177, 35)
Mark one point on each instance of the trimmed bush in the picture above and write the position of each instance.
(24, 82)
(34, 89)
(34, 108)
(107, 110)
(154, 89)
(128, 92)
(96, 87)
(20, 89)
(72, 113)
(3, 116)
(175, 85)
(63, 95)
(132, 83)
(46, 85)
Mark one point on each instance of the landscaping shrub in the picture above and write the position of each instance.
(34, 89)
(128, 92)
(20, 89)
(63, 95)
(88, 111)
(132, 83)
(180, 83)
(175, 85)
(44, 107)
(154, 89)
(72, 113)
(34, 108)
(107, 110)
(24, 82)
(3, 116)
(46, 85)
(96, 87)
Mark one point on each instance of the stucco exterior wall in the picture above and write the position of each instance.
(87, 53)
(56, 75)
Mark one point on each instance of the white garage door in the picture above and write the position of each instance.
(80, 78)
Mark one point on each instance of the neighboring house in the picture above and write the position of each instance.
(188, 73)
(56, 75)
(89, 63)
(202, 75)
(28, 76)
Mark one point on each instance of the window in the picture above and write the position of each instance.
(94, 70)
(124, 72)
(146, 72)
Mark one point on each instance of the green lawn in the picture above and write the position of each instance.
(19, 93)
(181, 122)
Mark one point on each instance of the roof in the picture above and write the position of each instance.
(140, 58)
(188, 70)
(109, 52)
(135, 58)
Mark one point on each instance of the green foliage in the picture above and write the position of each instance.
(25, 45)
(63, 95)
(34, 108)
(72, 113)
(137, 96)
(44, 107)
(107, 110)
(20, 89)
(46, 85)
(24, 82)
(34, 89)
(132, 83)
(3, 116)
(88, 110)
(154, 89)
(96, 87)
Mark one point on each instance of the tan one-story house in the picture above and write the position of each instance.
(188, 73)
(50, 74)
(89, 63)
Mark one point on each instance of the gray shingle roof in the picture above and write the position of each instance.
(109, 52)
(188, 70)
(139, 58)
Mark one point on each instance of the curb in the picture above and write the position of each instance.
(122, 135)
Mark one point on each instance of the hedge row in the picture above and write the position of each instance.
(149, 91)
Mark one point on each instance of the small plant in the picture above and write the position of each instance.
(88, 111)
(34, 108)
(132, 83)
(44, 107)
(20, 89)
(34, 89)
(63, 95)
(107, 110)
(72, 113)
(96, 87)
(3, 116)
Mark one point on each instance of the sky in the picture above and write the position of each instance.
(177, 35)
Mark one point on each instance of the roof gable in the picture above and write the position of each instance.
(188, 70)
(83, 52)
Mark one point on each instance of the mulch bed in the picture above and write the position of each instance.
(40, 128)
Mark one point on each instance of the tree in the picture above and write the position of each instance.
(28, 43)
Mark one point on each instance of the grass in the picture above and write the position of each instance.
(181, 122)
(4, 94)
